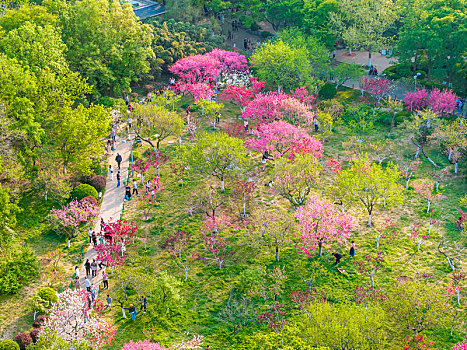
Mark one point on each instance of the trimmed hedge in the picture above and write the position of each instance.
(98, 182)
(23, 340)
(9, 345)
(328, 91)
(90, 199)
(84, 190)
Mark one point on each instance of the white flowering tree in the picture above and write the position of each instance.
(69, 320)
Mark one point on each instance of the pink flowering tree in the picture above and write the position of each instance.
(71, 220)
(141, 166)
(218, 251)
(461, 345)
(199, 91)
(179, 246)
(70, 320)
(416, 100)
(240, 95)
(281, 139)
(377, 87)
(266, 108)
(425, 189)
(321, 224)
(156, 159)
(443, 102)
(199, 68)
(142, 345)
(370, 266)
(243, 191)
(302, 95)
(147, 201)
(408, 168)
(419, 234)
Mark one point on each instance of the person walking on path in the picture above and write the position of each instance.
(93, 293)
(87, 266)
(102, 224)
(77, 285)
(118, 159)
(144, 302)
(148, 187)
(104, 279)
(90, 231)
(135, 187)
(352, 250)
(109, 302)
(76, 271)
(111, 172)
(118, 179)
(93, 268)
(94, 238)
(87, 284)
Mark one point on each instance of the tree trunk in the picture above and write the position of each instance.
(123, 312)
(371, 279)
(407, 183)
(369, 220)
(220, 265)
(419, 244)
(244, 208)
(369, 57)
(418, 151)
(377, 240)
(320, 251)
(450, 152)
(68, 243)
(35, 313)
(46, 195)
(277, 254)
(455, 168)
(186, 274)
(222, 185)
(428, 209)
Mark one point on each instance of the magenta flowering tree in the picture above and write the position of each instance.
(377, 87)
(142, 345)
(199, 90)
(199, 68)
(117, 235)
(461, 345)
(425, 189)
(140, 166)
(416, 100)
(302, 95)
(70, 320)
(443, 102)
(72, 218)
(281, 139)
(241, 95)
(320, 224)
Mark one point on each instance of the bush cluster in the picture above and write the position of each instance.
(84, 190)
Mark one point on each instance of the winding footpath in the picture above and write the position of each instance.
(112, 202)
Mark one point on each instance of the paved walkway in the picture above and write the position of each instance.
(112, 202)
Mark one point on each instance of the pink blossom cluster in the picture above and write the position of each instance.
(199, 68)
(460, 346)
(199, 90)
(378, 87)
(321, 224)
(442, 102)
(142, 345)
(281, 139)
(72, 216)
(69, 319)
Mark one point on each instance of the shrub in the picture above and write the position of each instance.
(401, 117)
(265, 34)
(98, 182)
(328, 91)
(136, 155)
(84, 190)
(8, 345)
(34, 333)
(23, 340)
(48, 294)
(75, 184)
(16, 271)
(39, 321)
(90, 199)
(247, 21)
(255, 27)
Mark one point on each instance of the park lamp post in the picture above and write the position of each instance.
(415, 78)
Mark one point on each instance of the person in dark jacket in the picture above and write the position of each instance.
(87, 266)
(337, 258)
(118, 159)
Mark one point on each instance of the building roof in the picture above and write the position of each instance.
(147, 8)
